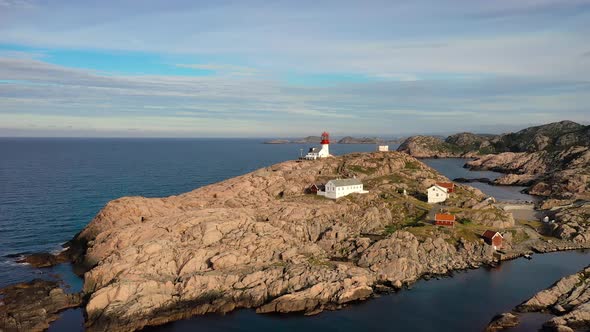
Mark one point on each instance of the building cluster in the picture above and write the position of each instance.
(437, 193)
(321, 152)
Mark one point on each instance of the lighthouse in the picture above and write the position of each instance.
(323, 152)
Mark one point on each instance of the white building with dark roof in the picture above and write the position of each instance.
(339, 188)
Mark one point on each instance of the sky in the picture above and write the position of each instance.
(250, 68)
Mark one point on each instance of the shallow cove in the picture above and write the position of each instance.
(453, 168)
(465, 302)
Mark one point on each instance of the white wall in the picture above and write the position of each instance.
(436, 195)
(325, 151)
(337, 192)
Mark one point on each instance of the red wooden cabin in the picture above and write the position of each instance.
(444, 219)
(493, 238)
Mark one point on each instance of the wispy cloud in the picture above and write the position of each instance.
(291, 67)
(223, 69)
(36, 97)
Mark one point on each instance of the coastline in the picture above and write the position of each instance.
(224, 305)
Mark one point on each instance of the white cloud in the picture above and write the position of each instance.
(37, 96)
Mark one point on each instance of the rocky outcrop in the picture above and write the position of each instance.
(31, 306)
(368, 140)
(568, 299)
(43, 259)
(430, 147)
(557, 136)
(572, 223)
(361, 140)
(257, 241)
(560, 135)
(552, 159)
(502, 322)
(564, 174)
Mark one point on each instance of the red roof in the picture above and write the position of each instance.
(444, 217)
(490, 234)
(448, 185)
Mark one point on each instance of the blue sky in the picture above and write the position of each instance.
(290, 68)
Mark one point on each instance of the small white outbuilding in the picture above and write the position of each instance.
(437, 194)
(382, 148)
(339, 188)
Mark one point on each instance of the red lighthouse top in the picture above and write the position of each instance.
(325, 138)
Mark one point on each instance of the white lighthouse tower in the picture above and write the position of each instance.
(323, 152)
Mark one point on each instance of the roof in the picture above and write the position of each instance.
(448, 185)
(444, 217)
(345, 182)
(490, 234)
(446, 190)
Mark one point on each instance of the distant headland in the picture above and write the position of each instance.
(343, 140)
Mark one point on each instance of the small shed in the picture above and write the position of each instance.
(493, 238)
(444, 219)
(314, 188)
(450, 186)
(382, 148)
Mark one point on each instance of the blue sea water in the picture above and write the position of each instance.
(51, 188)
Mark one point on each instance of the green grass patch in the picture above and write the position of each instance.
(360, 169)
(412, 165)
(465, 221)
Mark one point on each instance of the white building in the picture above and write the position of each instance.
(437, 194)
(342, 187)
(382, 148)
(323, 152)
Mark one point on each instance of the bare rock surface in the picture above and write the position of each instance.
(502, 322)
(257, 241)
(568, 299)
(562, 175)
(31, 306)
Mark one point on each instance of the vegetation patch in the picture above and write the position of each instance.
(360, 169)
(412, 165)
(465, 221)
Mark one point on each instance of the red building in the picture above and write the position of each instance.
(448, 185)
(314, 188)
(444, 219)
(493, 238)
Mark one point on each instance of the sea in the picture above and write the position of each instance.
(50, 188)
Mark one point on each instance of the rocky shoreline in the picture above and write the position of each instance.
(259, 241)
(32, 306)
(568, 300)
(552, 160)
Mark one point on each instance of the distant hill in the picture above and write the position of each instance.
(555, 136)
(552, 160)
(344, 140)
(308, 139)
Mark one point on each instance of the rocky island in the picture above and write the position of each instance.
(308, 139)
(261, 241)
